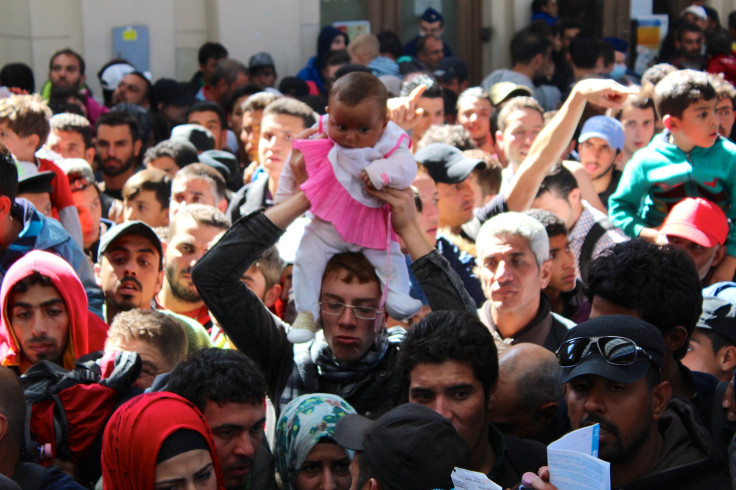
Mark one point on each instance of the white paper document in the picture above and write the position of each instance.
(573, 461)
(472, 480)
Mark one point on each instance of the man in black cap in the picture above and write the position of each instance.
(411, 446)
(450, 170)
(262, 70)
(431, 22)
(37, 188)
(452, 74)
(130, 271)
(712, 345)
(612, 368)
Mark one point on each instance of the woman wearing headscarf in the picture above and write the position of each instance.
(306, 453)
(159, 440)
(330, 39)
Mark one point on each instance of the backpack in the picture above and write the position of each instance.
(66, 411)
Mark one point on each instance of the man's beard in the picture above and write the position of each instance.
(608, 171)
(64, 83)
(126, 303)
(112, 172)
(616, 451)
(54, 355)
(179, 290)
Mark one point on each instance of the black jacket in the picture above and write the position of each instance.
(689, 458)
(261, 335)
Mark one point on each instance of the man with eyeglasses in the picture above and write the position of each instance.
(612, 370)
(354, 355)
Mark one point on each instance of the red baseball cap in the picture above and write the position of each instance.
(698, 220)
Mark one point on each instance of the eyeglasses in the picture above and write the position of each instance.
(618, 351)
(360, 312)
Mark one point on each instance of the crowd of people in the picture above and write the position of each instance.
(370, 273)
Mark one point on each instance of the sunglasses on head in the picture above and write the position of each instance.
(618, 351)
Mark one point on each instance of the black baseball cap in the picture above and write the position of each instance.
(643, 334)
(411, 446)
(130, 228)
(201, 137)
(36, 183)
(719, 316)
(170, 92)
(447, 164)
(432, 15)
(450, 68)
(222, 161)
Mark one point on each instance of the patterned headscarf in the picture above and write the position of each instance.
(304, 422)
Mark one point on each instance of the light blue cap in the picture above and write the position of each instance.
(606, 128)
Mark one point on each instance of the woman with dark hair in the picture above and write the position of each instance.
(330, 39)
(159, 440)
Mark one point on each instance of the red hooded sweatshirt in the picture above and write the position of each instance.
(136, 432)
(87, 332)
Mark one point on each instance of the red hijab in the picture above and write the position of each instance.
(137, 430)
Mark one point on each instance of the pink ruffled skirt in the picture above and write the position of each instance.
(330, 201)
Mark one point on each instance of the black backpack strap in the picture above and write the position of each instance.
(721, 429)
(61, 430)
(598, 229)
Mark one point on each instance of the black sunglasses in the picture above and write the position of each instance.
(618, 351)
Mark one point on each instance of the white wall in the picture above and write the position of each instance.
(99, 17)
(15, 33)
(287, 29)
(190, 24)
(52, 29)
(31, 30)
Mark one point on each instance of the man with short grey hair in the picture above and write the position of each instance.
(513, 255)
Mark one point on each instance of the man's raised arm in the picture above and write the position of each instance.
(556, 135)
(251, 327)
(442, 286)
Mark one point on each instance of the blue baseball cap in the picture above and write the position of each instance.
(606, 128)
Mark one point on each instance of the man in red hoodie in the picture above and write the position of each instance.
(45, 315)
